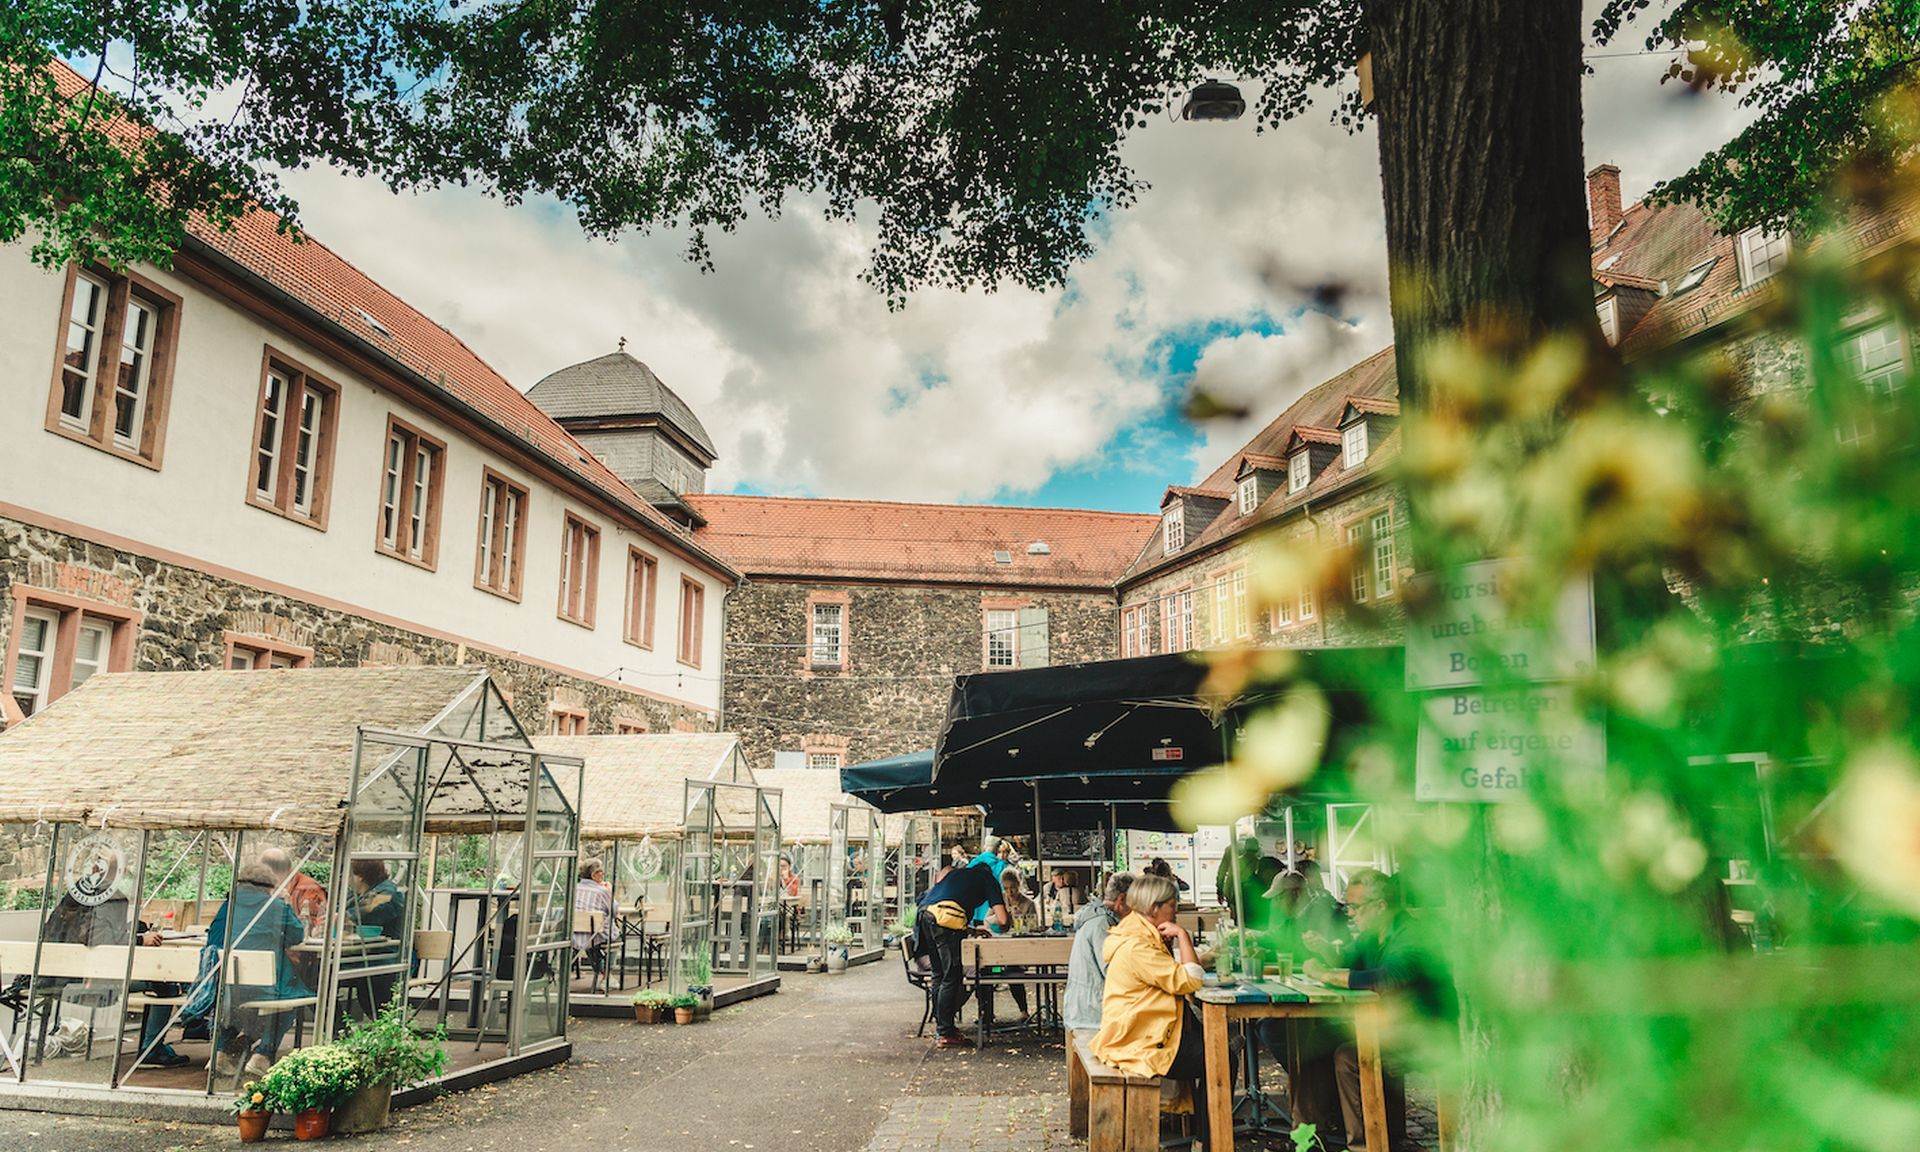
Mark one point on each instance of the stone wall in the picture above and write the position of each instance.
(904, 646)
(185, 614)
(1334, 620)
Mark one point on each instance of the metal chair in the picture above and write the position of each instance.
(921, 978)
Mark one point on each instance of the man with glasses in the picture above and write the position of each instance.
(1379, 957)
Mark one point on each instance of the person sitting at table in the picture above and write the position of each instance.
(1145, 1027)
(1301, 907)
(1023, 919)
(1087, 963)
(1159, 867)
(789, 879)
(374, 901)
(593, 896)
(1061, 898)
(1381, 958)
(307, 896)
(940, 924)
(267, 924)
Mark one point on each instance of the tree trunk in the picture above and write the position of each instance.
(1478, 107)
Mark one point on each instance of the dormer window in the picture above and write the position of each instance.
(1299, 471)
(1609, 312)
(1695, 276)
(1249, 494)
(1353, 444)
(1762, 254)
(1173, 530)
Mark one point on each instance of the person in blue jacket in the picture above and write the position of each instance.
(267, 924)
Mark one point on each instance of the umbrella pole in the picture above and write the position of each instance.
(1038, 861)
(1113, 837)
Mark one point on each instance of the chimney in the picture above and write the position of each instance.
(1603, 202)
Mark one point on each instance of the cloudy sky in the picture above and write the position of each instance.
(810, 386)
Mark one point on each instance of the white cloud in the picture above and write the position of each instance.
(809, 384)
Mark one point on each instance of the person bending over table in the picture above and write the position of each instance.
(1087, 963)
(941, 924)
(1145, 1027)
(1381, 958)
(375, 902)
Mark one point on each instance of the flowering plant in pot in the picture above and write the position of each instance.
(311, 1083)
(396, 1057)
(650, 1006)
(252, 1112)
(839, 939)
(683, 1008)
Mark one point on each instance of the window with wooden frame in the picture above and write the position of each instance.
(628, 727)
(827, 635)
(500, 554)
(290, 470)
(1127, 616)
(113, 369)
(1176, 620)
(643, 588)
(1003, 638)
(830, 760)
(250, 653)
(58, 642)
(411, 467)
(566, 720)
(693, 606)
(579, 570)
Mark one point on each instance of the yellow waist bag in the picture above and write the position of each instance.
(948, 914)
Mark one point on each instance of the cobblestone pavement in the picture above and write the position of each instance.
(829, 1064)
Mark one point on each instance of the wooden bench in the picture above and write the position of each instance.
(1113, 1110)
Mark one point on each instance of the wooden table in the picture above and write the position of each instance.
(1043, 956)
(1298, 997)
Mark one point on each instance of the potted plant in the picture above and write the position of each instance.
(396, 1058)
(252, 1112)
(683, 1008)
(701, 986)
(839, 939)
(311, 1083)
(651, 1005)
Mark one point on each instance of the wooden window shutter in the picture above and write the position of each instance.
(1032, 651)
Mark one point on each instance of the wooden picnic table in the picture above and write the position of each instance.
(1296, 998)
(1040, 960)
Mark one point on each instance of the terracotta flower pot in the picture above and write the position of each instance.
(313, 1124)
(252, 1125)
(683, 1015)
(643, 1013)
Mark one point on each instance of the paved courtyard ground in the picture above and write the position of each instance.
(830, 1064)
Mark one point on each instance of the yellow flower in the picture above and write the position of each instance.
(1874, 824)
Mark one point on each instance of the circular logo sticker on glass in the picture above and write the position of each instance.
(93, 867)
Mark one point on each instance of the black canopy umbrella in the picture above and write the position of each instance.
(905, 784)
(1116, 733)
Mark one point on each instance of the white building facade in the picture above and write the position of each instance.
(260, 458)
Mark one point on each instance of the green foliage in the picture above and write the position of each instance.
(252, 1098)
(654, 997)
(317, 1077)
(684, 1000)
(1306, 1138)
(700, 971)
(838, 936)
(1753, 548)
(1831, 87)
(392, 1051)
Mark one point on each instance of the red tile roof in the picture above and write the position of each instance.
(1372, 380)
(1255, 461)
(933, 543)
(1196, 492)
(1308, 434)
(321, 279)
(1374, 405)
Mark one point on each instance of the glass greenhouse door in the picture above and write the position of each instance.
(691, 965)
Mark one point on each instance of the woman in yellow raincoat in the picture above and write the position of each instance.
(1144, 1025)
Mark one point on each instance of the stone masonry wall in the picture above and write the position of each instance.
(185, 614)
(905, 645)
